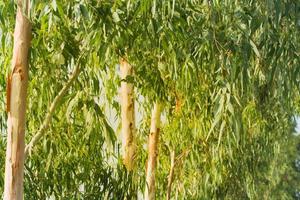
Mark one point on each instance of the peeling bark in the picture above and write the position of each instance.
(127, 115)
(16, 106)
(152, 153)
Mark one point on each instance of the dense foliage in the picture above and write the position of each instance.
(226, 72)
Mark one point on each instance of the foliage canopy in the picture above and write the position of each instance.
(227, 73)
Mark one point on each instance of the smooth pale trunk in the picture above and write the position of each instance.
(127, 115)
(16, 108)
(171, 175)
(152, 153)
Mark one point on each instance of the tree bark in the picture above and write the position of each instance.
(171, 175)
(152, 153)
(127, 115)
(16, 106)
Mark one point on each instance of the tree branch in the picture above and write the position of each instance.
(51, 111)
(171, 175)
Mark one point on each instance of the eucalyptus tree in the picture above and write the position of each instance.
(127, 115)
(16, 104)
(218, 68)
(60, 42)
(72, 146)
(130, 40)
(232, 89)
(156, 59)
(152, 152)
(225, 77)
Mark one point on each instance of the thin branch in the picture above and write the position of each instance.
(42, 130)
(171, 175)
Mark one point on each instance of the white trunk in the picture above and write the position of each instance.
(16, 107)
(127, 115)
(152, 153)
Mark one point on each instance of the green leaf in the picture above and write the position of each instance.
(116, 17)
(71, 106)
(54, 5)
(254, 47)
(84, 11)
(221, 132)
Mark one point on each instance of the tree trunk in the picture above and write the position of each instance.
(127, 115)
(171, 175)
(16, 106)
(152, 153)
